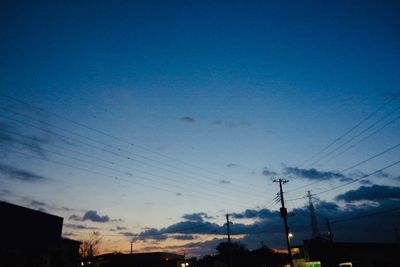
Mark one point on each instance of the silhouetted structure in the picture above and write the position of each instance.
(70, 252)
(33, 238)
(153, 259)
(330, 254)
(242, 257)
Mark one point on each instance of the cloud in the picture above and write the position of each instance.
(187, 119)
(230, 124)
(128, 234)
(35, 144)
(90, 215)
(75, 217)
(151, 233)
(268, 172)
(178, 194)
(372, 193)
(5, 137)
(314, 174)
(230, 165)
(383, 174)
(10, 136)
(14, 173)
(264, 225)
(196, 217)
(252, 213)
(182, 237)
(224, 182)
(118, 228)
(180, 228)
(38, 204)
(5, 192)
(79, 226)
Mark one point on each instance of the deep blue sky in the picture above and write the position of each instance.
(212, 93)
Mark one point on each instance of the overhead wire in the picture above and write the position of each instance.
(358, 179)
(351, 167)
(355, 144)
(111, 136)
(396, 209)
(118, 170)
(118, 154)
(350, 130)
(175, 170)
(117, 178)
(362, 140)
(353, 138)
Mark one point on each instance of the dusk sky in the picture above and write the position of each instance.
(151, 120)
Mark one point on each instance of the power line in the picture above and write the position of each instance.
(354, 137)
(367, 215)
(348, 168)
(361, 140)
(116, 164)
(116, 178)
(186, 174)
(349, 131)
(115, 153)
(110, 135)
(356, 180)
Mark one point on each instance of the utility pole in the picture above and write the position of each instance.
(284, 215)
(131, 247)
(330, 235)
(229, 241)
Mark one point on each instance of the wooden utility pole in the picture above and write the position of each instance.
(284, 215)
(229, 241)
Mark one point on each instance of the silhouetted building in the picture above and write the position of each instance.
(331, 254)
(70, 253)
(153, 259)
(32, 238)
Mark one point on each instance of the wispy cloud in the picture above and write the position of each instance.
(268, 172)
(11, 136)
(230, 124)
(5, 193)
(314, 174)
(79, 226)
(14, 173)
(90, 215)
(37, 204)
(230, 165)
(196, 217)
(187, 119)
(255, 214)
(225, 182)
(188, 227)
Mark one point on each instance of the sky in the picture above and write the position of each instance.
(149, 121)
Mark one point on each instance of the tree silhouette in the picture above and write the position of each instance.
(90, 247)
(223, 248)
